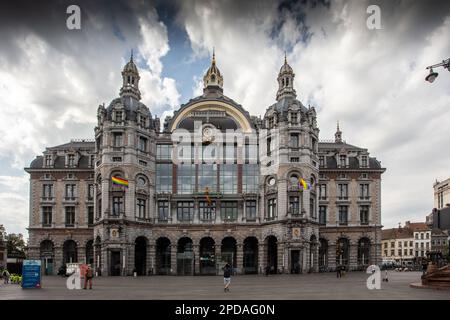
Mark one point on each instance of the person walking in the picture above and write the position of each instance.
(226, 277)
(6, 276)
(338, 272)
(88, 277)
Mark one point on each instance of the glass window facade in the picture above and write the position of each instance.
(271, 208)
(186, 178)
(229, 210)
(164, 151)
(206, 211)
(294, 205)
(117, 207)
(185, 210)
(250, 210)
(228, 178)
(343, 215)
(250, 178)
(140, 208)
(163, 210)
(47, 218)
(70, 216)
(207, 177)
(322, 214)
(364, 214)
(164, 177)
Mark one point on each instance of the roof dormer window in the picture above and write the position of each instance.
(71, 160)
(118, 116)
(342, 160)
(364, 162)
(48, 160)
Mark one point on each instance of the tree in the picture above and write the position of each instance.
(2, 233)
(15, 245)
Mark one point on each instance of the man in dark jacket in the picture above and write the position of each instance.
(227, 277)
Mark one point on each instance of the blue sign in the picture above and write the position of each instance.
(31, 274)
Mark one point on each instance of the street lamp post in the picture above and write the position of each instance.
(433, 75)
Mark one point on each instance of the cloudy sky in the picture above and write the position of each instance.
(52, 79)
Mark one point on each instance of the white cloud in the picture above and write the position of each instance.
(51, 84)
(370, 80)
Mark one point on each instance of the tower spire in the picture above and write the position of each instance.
(338, 134)
(130, 80)
(213, 80)
(286, 81)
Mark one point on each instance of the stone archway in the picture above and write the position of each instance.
(70, 252)
(140, 256)
(47, 256)
(163, 259)
(207, 256)
(272, 254)
(250, 262)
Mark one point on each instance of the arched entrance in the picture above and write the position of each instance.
(342, 252)
(272, 254)
(70, 254)
(250, 255)
(90, 252)
(163, 256)
(185, 257)
(323, 255)
(363, 252)
(140, 256)
(207, 256)
(228, 250)
(47, 253)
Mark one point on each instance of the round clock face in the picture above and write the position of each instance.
(208, 134)
(271, 181)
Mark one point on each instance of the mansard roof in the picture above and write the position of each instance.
(82, 144)
(130, 106)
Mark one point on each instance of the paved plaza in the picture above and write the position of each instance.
(274, 287)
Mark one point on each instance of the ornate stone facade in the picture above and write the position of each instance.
(216, 185)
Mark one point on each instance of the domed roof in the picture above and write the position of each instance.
(130, 67)
(130, 106)
(213, 78)
(286, 67)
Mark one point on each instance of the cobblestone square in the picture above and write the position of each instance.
(275, 287)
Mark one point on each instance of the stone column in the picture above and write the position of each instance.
(217, 255)
(332, 255)
(173, 259)
(105, 261)
(196, 249)
(280, 251)
(262, 257)
(150, 260)
(240, 258)
(353, 259)
(105, 198)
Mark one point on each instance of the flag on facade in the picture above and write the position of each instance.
(303, 184)
(120, 181)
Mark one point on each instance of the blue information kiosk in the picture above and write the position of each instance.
(31, 274)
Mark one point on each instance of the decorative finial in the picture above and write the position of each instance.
(131, 57)
(214, 55)
(285, 58)
(338, 125)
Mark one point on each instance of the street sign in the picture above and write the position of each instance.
(31, 274)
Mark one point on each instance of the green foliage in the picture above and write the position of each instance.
(15, 278)
(16, 245)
